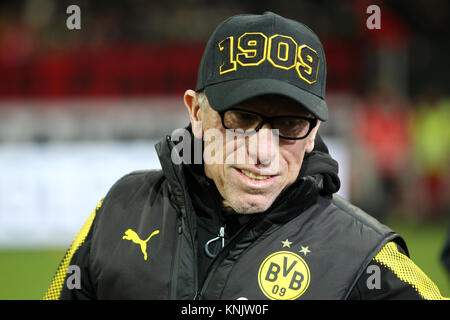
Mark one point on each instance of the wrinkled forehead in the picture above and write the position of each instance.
(272, 105)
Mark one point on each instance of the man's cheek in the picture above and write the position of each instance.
(235, 149)
(213, 152)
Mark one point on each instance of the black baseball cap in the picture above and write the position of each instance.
(252, 55)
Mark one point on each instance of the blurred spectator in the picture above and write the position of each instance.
(431, 155)
(381, 128)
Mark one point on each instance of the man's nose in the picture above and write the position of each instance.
(263, 146)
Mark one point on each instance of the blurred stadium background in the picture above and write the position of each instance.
(80, 108)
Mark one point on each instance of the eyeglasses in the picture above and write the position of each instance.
(249, 122)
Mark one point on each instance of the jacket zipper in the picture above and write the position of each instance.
(187, 216)
(221, 236)
(222, 255)
(174, 282)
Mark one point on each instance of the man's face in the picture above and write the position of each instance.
(265, 164)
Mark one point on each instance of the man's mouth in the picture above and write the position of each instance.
(255, 180)
(255, 176)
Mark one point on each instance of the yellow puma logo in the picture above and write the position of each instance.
(131, 235)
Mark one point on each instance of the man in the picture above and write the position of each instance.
(257, 216)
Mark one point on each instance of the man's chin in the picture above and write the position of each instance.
(251, 206)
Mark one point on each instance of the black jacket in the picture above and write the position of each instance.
(146, 240)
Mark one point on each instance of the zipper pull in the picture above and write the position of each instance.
(221, 236)
(198, 295)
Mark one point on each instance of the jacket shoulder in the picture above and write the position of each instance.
(358, 236)
(131, 191)
(366, 222)
(141, 180)
(139, 177)
(357, 214)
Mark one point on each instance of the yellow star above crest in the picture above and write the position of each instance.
(305, 250)
(286, 243)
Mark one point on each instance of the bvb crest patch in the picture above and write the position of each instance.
(283, 275)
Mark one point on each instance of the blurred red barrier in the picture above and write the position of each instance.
(112, 71)
(134, 70)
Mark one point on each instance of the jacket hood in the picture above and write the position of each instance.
(322, 167)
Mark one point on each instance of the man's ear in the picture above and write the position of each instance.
(311, 138)
(195, 114)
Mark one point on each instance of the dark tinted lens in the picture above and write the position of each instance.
(291, 127)
(240, 120)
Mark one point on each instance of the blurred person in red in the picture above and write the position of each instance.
(381, 126)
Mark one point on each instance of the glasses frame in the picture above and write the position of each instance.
(312, 122)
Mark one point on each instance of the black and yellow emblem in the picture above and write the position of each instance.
(283, 275)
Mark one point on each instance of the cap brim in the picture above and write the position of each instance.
(225, 95)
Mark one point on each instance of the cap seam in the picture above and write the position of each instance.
(236, 79)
